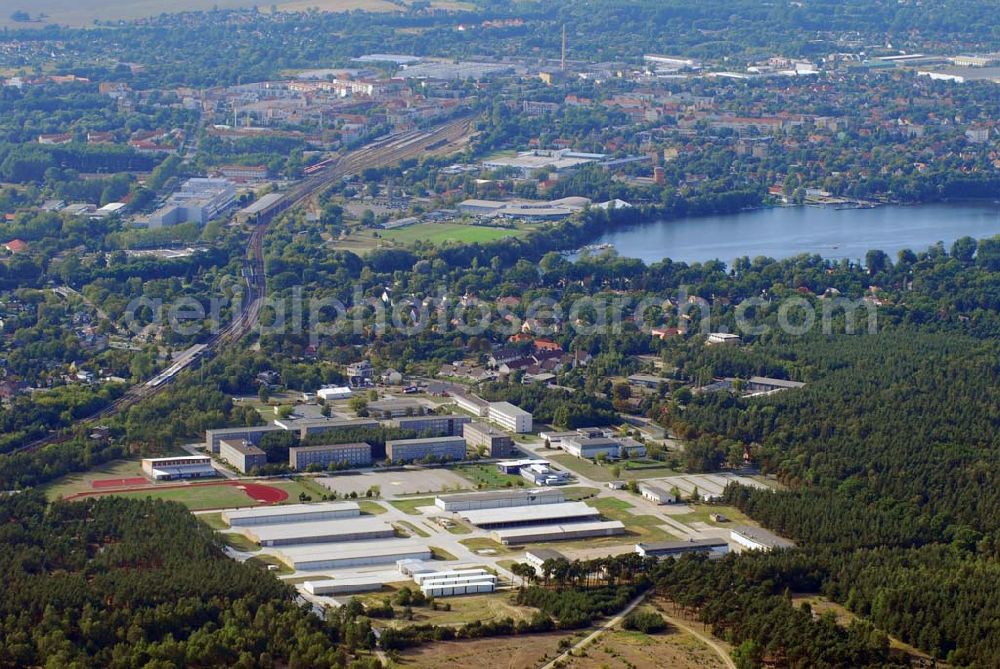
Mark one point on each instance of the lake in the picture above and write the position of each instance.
(781, 232)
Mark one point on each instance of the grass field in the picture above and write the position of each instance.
(262, 562)
(488, 476)
(647, 527)
(196, 497)
(529, 650)
(81, 482)
(372, 508)
(239, 542)
(637, 470)
(410, 505)
(413, 529)
(439, 233)
(441, 554)
(702, 512)
(477, 544)
(213, 520)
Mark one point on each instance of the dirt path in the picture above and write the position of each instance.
(705, 639)
(612, 622)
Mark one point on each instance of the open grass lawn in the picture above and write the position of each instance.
(575, 493)
(627, 471)
(413, 529)
(477, 544)
(702, 512)
(239, 542)
(488, 476)
(81, 481)
(262, 562)
(441, 554)
(197, 497)
(213, 520)
(410, 505)
(371, 508)
(439, 233)
(648, 528)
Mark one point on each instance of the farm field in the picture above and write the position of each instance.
(439, 233)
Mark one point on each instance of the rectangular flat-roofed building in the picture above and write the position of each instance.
(350, 455)
(498, 444)
(316, 557)
(656, 494)
(435, 426)
(664, 549)
(291, 513)
(536, 557)
(477, 406)
(510, 417)
(394, 408)
(359, 528)
(557, 532)
(185, 467)
(313, 426)
(758, 539)
(591, 447)
(499, 499)
(241, 454)
(539, 514)
(438, 448)
(251, 435)
(343, 586)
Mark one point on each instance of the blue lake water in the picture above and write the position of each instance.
(782, 232)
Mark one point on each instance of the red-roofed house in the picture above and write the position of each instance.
(16, 246)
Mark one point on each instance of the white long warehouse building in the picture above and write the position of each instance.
(539, 514)
(542, 533)
(313, 557)
(322, 531)
(292, 513)
(498, 499)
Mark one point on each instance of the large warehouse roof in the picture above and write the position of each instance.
(260, 513)
(372, 552)
(535, 533)
(325, 530)
(501, 495)
(524, 515)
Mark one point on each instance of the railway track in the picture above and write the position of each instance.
(382, 152)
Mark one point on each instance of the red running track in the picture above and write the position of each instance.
(264, 494)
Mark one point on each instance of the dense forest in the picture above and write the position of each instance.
(127, 583)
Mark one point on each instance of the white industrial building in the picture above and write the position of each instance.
(331, 393)
(665, 549)
(291, 513)
(477, 406)
(509, 417)
(758, 539)
(198, 200)
(185, 467)
(497, 499)
(313, 557)
(656, 494)
(557, 532)
(455, 582)
(321, 531)
(591, 447)
(540, 514)
(343, 586)
(543, 474)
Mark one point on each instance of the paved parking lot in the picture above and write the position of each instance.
(394, 484)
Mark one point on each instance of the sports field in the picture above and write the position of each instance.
(439, 233)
